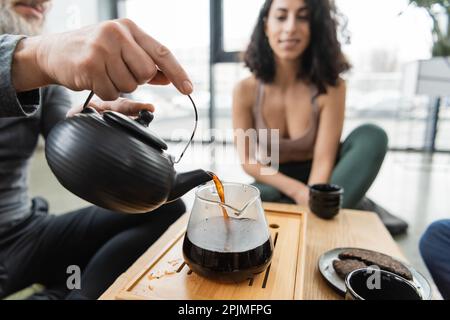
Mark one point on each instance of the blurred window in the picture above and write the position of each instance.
(183, 26)
(385, 35)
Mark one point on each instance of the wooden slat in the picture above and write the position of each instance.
(283, 208)
(153, 251)
(300, 277)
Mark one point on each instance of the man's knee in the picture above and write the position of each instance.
(175, 209)
(176, 206)
(435, 240)
(166, 214)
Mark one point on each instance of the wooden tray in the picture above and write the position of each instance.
(168, 277)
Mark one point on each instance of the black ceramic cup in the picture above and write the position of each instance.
(361, 284)
(325, 200)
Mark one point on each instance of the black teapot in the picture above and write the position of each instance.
(115, 162)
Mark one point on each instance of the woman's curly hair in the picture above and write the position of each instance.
(323, 60)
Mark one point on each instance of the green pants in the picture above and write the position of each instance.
(359, 160)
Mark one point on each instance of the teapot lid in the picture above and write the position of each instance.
(136, 127)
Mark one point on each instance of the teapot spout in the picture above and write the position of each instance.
(186, 181)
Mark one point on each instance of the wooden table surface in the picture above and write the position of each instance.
(348, 229)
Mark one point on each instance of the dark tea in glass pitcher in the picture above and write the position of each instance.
(228, 242)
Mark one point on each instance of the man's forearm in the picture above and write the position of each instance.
(26, 72)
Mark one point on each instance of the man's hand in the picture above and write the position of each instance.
(125, 106)
(109, 58)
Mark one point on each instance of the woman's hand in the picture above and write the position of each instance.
(122, 105)
(109, 58)
(300, 194)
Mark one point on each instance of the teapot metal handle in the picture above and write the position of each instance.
(193, 132)
(91, 94)
(86, 103)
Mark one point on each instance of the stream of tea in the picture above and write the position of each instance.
(220, 192)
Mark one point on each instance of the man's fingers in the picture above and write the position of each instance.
(132, 108)
(121, 77)
(94, 103)
(164, 59)
(73, 111)
(139, 62)
(160, 79)
(125, 106)
(105, 89)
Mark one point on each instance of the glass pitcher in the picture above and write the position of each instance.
(228, 249)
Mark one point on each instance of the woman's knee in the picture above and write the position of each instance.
(370, 137)
(268, 193)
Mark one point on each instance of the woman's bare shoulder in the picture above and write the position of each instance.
(338, 90)
(333, 93)
(245, 90)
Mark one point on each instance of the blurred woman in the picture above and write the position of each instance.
(296, 87)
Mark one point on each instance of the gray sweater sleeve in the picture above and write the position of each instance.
(54, 106)
(13, 104)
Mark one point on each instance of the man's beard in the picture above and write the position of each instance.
(13, 23)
